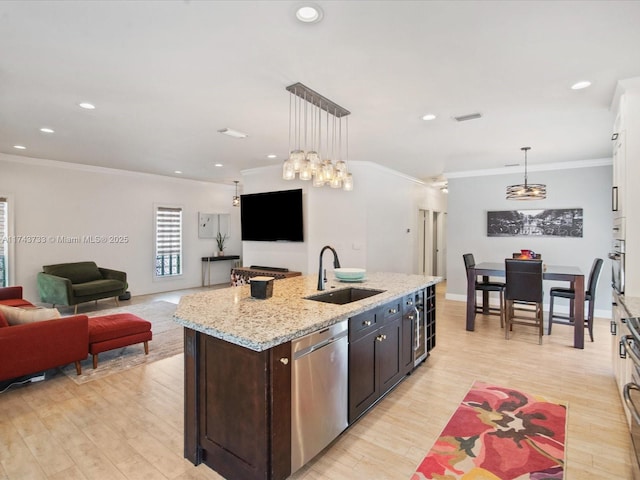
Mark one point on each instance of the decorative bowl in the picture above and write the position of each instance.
(349, 274)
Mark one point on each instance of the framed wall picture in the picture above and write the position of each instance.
(559, 222)
(209, 224)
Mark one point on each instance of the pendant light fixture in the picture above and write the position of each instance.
(236, 198)
(526, 191)
(312, 156)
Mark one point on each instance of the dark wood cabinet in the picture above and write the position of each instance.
(430, 315)
(237, 408)
(238, 401)
(375, 358)
(411, 310)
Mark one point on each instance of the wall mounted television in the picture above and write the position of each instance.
(272, 216)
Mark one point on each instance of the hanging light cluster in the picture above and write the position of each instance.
(317, 154)
(526, 191)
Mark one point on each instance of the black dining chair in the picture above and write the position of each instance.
(570, 293)
(524, 289)
(483, 286)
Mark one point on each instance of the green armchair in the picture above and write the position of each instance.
(79, 282)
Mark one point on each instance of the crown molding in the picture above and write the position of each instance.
(545, 167)
(80, 167)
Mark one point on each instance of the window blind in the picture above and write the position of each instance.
(168, 241)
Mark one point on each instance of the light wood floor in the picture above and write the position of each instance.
(129, 425)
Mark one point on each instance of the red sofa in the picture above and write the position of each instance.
(12, 297)
(39, 346)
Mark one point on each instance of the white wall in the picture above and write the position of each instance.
(367, 226)
(588, 188)
(54, 199)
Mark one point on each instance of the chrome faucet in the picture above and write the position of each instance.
(336, 264)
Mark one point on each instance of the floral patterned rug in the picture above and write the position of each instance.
(499, 433)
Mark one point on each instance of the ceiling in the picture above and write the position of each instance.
(166, 75)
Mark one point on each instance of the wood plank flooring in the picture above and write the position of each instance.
(129, 426)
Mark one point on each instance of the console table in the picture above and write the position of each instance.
(241, 275)
(206, 264)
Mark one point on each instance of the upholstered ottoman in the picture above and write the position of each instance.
(115, 331)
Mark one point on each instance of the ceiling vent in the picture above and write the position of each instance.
(464, 118)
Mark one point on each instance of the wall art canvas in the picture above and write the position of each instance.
(559, 222)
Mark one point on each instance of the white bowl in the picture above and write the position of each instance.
(349, 273)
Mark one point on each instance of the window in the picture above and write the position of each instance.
(4, 243)
(168, 241)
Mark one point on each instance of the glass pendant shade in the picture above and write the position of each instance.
(347, 184)
(318, 179)
(327, 170)
(336, 182)
(296, 157)
(305, 170)
(341, 169)
(288, 173)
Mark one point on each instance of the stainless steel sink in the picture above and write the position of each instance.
(345, 295)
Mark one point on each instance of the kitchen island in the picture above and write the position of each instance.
(238, 362)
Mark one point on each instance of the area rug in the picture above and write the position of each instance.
(167, 341)
(499, 433)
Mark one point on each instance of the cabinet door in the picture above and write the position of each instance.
(430, 317)
(619, 176)
(409, 318)
(363, 385)
(388, 357)
(244, 409)
(408, 333)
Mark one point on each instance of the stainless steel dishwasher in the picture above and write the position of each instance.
(319, 391)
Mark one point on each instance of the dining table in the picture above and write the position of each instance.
(570, 274)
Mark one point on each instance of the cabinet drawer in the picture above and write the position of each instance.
(408, 303)
(392, 309)
(363, 323)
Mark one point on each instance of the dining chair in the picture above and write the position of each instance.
(570, 293)
(483, 286)
(524, 288)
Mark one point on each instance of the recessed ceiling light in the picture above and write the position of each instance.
(46, 130)
(20, 147)
(429, 116)
(309, 13)
(271, 155)
(581, 85)
(87, 106)
(233, 133)
(177, 171)
(218, 165)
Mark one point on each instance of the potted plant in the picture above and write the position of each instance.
(221, 240)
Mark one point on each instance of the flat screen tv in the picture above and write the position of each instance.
(272, 216)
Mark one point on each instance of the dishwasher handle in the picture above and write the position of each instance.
(306, 351)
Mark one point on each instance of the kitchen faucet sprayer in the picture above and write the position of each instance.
(336, 264)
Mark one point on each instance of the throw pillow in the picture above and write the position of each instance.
(20, 316)
(3, 321)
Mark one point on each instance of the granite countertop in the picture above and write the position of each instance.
(231, 313)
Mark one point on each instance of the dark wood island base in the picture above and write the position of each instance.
(237, 417)
(238, 400)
